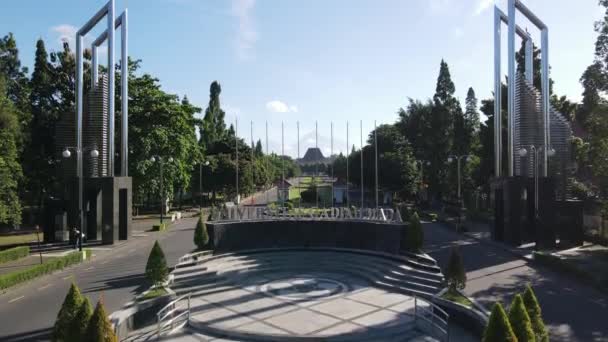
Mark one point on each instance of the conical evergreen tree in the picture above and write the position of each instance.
(520, 321)
(414, 235)
(78, 327)
(535, 314)
(100, 329)
(454, 273)
(498, 329)
(71, 305)
(201, 236)
(156, 268)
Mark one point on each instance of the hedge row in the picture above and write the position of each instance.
(54, 264)
(14, 254)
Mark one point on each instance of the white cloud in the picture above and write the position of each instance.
(483, 5)
(247, 34)
(65, 33)
(277, 106)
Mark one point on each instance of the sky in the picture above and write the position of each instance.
(315, 60)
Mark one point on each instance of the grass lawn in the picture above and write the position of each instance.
(456, 297)
(22, 238)
(157, 292)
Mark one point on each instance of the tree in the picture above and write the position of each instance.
(100, 329)
(498, 328)
(213, 127)
(593, 81)
(10, 169)
(535, 314)
(471, 114)
(520, 321)
(69, 309)
(455, 275)
(258, 148)
(414, 236)
(201, 236)
(80, 322)
(156, 267)
(16, 77)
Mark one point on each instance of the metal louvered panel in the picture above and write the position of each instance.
(96, 129)
(528, 131)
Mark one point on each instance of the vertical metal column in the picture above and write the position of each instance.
(361, 154)
(347, 171)
(111, 87)
(544, 43)
(316, 166)
(79, 108)
(376, 161)
(331, 153)
(283, 163)
(497, 96)
(236, 144)
(124, 74)
(267, 158)
(529, 60)
(511, 86)
(251, 164)
(299, 189)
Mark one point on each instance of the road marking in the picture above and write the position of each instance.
(118, 256)
(68, 277)
(16, 299)
(105, 262)
(43, 287)
(90, 268)
(131, 251)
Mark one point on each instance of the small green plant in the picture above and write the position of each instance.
(160, 227)
(201, 236)
(455, 275)
(69, 309)
(414, 236)
(520, 321)
(156, 267)
(100, 329)
(78, 327)
(498, 329)
(535, 314)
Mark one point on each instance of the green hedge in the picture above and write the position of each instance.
(54, 264)
(14, 254)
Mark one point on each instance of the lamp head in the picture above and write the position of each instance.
(551, 152)
(450, 159)
(152, 159)
(523, 152)
(66, 153)
(170, 159)
(94, 153)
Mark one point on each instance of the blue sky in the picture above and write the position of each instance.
(310, 60)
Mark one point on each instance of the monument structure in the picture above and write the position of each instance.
(98, 191)
(538, 143)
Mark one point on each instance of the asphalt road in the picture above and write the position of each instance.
(28, 312)
(572, 310)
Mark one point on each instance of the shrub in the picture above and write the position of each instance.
(159, 227)
(69, 308)
(455, 275)
(14, 254)
(156, 267)
(289, 205)
(78, 326)
(100, 329)
(520, 321)
(535, 314)
(201, 236)
(59, 263)
(498, 328)
(414, 236)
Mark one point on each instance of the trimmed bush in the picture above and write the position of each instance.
(159, 227)
(201, 236)
(14, 254)
(454, 273)
(54, 264)
(156, 267)
(100, 329)
(80, 322)
(535, 314)
(520, 321)
(498, 329)
(69, 309)
(414, 236)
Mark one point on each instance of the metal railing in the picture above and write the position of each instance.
(432, 319)
(171, 313)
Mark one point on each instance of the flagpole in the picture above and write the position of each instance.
(347, 171)
(361, 155)
(316, 166)
(283, 161)
(236, 144)
(331, 153)
(267, 159)
(251, 164)
(376, 162)
(299, 189)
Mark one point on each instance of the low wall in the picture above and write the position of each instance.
(356, 234)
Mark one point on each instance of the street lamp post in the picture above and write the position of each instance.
(458, 158)
(200, 182)
(162, 195)
(80, 174)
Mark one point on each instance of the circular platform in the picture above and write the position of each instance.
(329, 295)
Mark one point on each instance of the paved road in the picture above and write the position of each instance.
(28, 312)
(572, 310)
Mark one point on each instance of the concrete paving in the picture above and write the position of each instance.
(573, 311)
(28, 311)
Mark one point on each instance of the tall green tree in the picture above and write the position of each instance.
(156, 267)
(17, 87)
(520, 321)
(498, 329)
(213, 127)
(535, 314)
(455, 274)
(100, 329)
(10, 169)
(67, 313)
